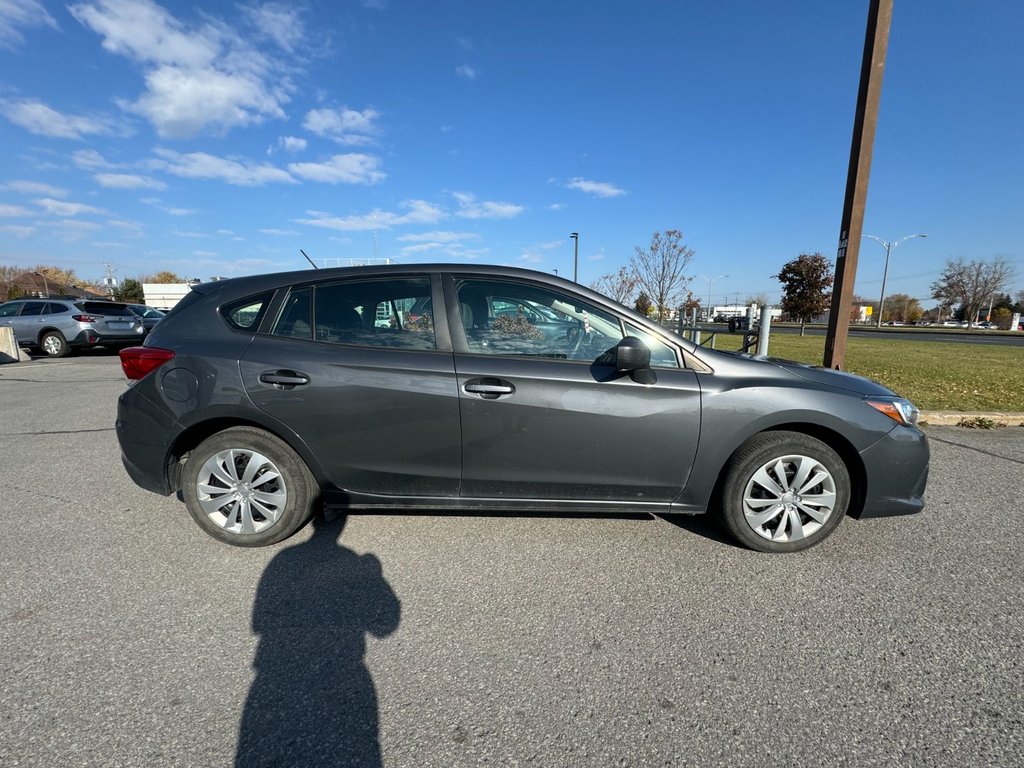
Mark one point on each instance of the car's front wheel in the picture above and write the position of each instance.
(54, 344)
(784, 491)
(248, 488)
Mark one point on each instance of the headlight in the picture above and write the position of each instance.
(896, 408)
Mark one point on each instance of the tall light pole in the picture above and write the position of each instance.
(46, 285)
(885, 273)
(576, 257)
(710, 281)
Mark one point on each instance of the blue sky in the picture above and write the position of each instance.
(219, 138)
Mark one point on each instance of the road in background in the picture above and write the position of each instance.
(128, 634)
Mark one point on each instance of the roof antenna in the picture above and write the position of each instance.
(309, 259)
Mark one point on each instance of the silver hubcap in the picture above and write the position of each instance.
(52, 345)
(789, 498)
(241, 491)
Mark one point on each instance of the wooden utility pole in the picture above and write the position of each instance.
(876, 43)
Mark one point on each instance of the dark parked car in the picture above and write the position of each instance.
(57, 326)
(259, 397)
(150, 316)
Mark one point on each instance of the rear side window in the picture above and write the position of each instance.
(246, 314)
(55, 309)
(32, 308)
(104, 308)
(392, 313)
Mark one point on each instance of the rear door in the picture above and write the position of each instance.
(370, 389)
(541, 419)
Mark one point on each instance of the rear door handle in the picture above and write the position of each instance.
(490, 389)
(284, 379)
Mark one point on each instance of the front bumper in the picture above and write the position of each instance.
(897, 474)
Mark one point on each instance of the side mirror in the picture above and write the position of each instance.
(631, 354)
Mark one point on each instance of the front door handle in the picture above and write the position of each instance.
(284, 379)
(490, 389)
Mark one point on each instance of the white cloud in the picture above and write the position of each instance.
(128, 181)
(439, 237)
(279, 232)
(556, 207)
(291, 144)
(69, 230)
(200, 165)
(596, 188)
(90, 159)
(179, 233)
(207, 254)
(345, 169)
(129, 227)
(344, 125)
(17, 231)
(420, 212)
(467, 72)
(33, 187)
(156, 203)
(21, 13)
(197, 76)
(64, 208)
(13, 211)
(38, 118)
(277, 22)
(469, 208)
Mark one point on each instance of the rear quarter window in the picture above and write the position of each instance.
(247, 314)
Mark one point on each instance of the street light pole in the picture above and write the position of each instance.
(710, 281)
(885, 272)
(46, 285)
(576, 257)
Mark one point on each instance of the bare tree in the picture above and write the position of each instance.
(805, 283)
(660, 271)
(761, 299)
(620, 285)
(971, 284)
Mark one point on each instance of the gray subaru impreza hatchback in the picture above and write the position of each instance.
(447, 387)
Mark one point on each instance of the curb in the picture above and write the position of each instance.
(953, 418)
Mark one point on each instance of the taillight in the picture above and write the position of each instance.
(86, 318)
(138, 362)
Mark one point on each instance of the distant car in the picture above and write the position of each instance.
(59, 325)
(260, 398)
(951, 324)
(150, 316)
(987, 326)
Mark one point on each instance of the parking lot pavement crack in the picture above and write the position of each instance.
(972, 448)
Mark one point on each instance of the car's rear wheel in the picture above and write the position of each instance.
(784, 491)
(248, 488)
(54, 344)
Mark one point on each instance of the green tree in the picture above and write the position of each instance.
(130, 291)
(643, 304)
(805, 283)
(660, 271)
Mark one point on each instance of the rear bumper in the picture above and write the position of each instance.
(145, 433)
(897, 474)
(89, 337)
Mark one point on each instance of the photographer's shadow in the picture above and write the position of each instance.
(313, 701)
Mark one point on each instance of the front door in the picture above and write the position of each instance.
(541, 420)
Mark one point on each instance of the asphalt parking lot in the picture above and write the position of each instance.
(130, 638)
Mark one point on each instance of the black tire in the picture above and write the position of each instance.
(54, 344)
(227, 522)
(800, 522)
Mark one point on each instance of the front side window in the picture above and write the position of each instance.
(9, 310)
(662, 355)
(508, 318)
(393, 313)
